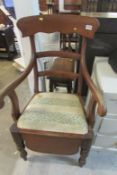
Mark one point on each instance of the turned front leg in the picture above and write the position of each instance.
(18, 141)
(85, 148)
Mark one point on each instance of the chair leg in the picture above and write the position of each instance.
(69, 87)
(85, 148)
(18, 141)
(51, 86)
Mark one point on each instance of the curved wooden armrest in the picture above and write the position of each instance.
(10, 89)
(96, 94)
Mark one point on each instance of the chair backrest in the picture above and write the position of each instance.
(66, 24)
(85, 26)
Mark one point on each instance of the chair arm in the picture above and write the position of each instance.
(10, 89)
(96, 94)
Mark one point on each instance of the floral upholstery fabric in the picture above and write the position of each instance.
(56, 112)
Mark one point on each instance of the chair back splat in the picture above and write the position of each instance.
(56, 122)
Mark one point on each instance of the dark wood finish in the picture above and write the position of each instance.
(66, 42)
(63, 54)
(4, 19)
(19, 141)
(43, 5)
(51, 144)
(59, 74)
(61, 64)
(55, 6)
(91, 111)
(46, 141)
(75, 6)
(99, 5)
(62, 25)
(72, 5)
(7, 40)
(85, 148)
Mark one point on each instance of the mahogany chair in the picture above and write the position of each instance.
(55, 122)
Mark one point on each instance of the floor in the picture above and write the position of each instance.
(99, 162)
(8, 152)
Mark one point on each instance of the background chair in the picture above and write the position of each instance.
(55, 122)
(68, 42)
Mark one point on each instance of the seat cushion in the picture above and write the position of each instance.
(56, 112)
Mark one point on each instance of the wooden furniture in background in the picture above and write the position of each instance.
(52, 6)
(99, 5)
(61, 64)
(7, 36)
(46, 6)
(7, 41)
(55, 122)
(72, 5)
(4, 19)
(81, 5)
(43, 5)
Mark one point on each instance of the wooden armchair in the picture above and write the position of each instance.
(55, 122)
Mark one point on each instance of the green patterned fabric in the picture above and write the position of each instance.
(56, 112)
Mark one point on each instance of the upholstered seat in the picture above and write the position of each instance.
(56, 112)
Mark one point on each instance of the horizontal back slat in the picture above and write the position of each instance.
(62, 54)
(86, 26)
(63, 74)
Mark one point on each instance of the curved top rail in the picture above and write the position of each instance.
(85, 26)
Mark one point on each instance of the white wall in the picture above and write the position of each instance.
(1, 2)
(43, 41)
(22, 9)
